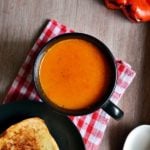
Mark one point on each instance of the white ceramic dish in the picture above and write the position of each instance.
(138, 139)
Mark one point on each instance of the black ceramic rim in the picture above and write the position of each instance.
(98, 44)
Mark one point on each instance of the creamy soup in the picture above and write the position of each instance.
(74, 74)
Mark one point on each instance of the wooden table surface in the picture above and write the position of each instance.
(22, 20)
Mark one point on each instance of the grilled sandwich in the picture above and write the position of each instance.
(29, 134)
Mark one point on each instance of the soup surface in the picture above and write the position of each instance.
(74, 74)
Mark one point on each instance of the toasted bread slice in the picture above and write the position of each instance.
(29, 134)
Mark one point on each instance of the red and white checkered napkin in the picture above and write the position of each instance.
(92, 126)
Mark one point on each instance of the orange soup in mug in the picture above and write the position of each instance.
(75, 74)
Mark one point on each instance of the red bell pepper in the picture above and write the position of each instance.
(115, 4)
(135, 10)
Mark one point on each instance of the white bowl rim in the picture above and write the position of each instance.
(136, 129)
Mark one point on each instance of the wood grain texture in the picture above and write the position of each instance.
(22, 20)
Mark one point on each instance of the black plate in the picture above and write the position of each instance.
(62, 129)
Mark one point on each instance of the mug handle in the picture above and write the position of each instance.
(112, 110)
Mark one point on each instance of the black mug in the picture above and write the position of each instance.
(108, 106)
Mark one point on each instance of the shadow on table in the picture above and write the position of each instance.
(116, 138)
(145, 87)
(12, 55)
(117, 144)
